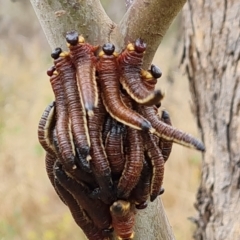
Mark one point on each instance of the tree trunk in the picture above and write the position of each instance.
(211, 60)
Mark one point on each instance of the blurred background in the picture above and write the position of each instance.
(29, 207)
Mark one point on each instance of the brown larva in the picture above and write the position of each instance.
(157, 161)
(107, 127)
(66, 147)
(141, 192)
(45, 127)
(95, 209)
(110, 87)
(82, 55)
(114, 148)
(130, 63)
(170, 133)
(77, 173)
(133, 165)
(99, 162)
(49, 164)
(165, 145)
(78, 213)
(76, 111)
(123, 218)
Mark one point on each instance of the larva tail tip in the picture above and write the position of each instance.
(158, 105)
(162, 190)
(146, 126)
(201, 147)
(153, 197)
(165, 114)
(159, 94)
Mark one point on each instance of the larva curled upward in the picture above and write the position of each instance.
(45, 127)
(107, 68)
(76, 111)
(82, 55)
(130, 64)
(123, 218)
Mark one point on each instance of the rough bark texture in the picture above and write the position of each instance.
(211, 60)
(148, 19)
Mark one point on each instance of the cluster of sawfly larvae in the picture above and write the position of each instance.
(106, 143)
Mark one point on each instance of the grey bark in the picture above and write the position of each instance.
(148, 19)
(211, 60)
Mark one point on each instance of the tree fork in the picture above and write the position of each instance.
(148, 19)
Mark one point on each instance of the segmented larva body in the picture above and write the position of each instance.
(114, 148)
(66, 147)
(123, 218)
(107, 127)
(82, 55)
(134, 158)
(76, 111)
(133, 165)
(165, 145)
(45, 128)
(99, 162)
(49, 164)
(155, 155)
(141, 192)
(79, 215)
(170, 133)
(78, 173)
(130, 64)
(107, 68)
(95, 208)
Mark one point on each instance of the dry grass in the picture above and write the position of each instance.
(30, 209)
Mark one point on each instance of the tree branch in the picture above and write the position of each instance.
(148, 19)
(86, 16)
(152, 223)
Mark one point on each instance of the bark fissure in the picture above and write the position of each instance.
(214, 80)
